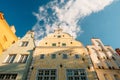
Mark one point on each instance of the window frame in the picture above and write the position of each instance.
(64, 45)
(24, 43)
(54, 44)
(10, 58)
(73, 75)
(42, 56)
(8, 76)
(53, 56)
(77, 56)
(24, 58)
(43, 75)
(64, 56)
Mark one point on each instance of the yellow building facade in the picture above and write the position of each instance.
(60, 57)
(105, 60)
(7, 34)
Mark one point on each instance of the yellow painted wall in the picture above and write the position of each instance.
(7, 36)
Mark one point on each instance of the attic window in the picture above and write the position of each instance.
(59, 36)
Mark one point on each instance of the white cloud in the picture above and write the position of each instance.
(66, 14)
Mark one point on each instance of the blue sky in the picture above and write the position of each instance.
(104, 24)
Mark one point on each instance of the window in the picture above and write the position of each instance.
(64, 56)
(5, 39)
(47, 74)
(8, 76)
(53, 44)
(116, 77)
(63, 44)
(53, 56)
(10, 58)
(24, 43)
(23, 58)
(59, 36)
(42, 56)
(76, 74)
(77, 56)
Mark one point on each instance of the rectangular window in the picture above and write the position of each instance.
(53, 44)
(42, 56)
(59, 36)
(23, 58)
(8, 76)
(63, 44)
(77, 56)
(53, 56)
(47, 74)
(64, 56)
(24, 43)
(5, 39)
(76, 74)
(10, 58)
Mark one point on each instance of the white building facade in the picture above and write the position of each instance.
(105, 60)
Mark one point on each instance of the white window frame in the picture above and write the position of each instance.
(78, 75)
(11, 58)
(8, 76)
(49, 75)
(23, 58)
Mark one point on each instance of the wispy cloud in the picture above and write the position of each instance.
(66, 14)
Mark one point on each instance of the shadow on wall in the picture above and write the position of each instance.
(61, 59)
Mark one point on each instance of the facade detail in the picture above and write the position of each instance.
(16, 60)
(7, 34)
(105, 60)
(59, 57)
